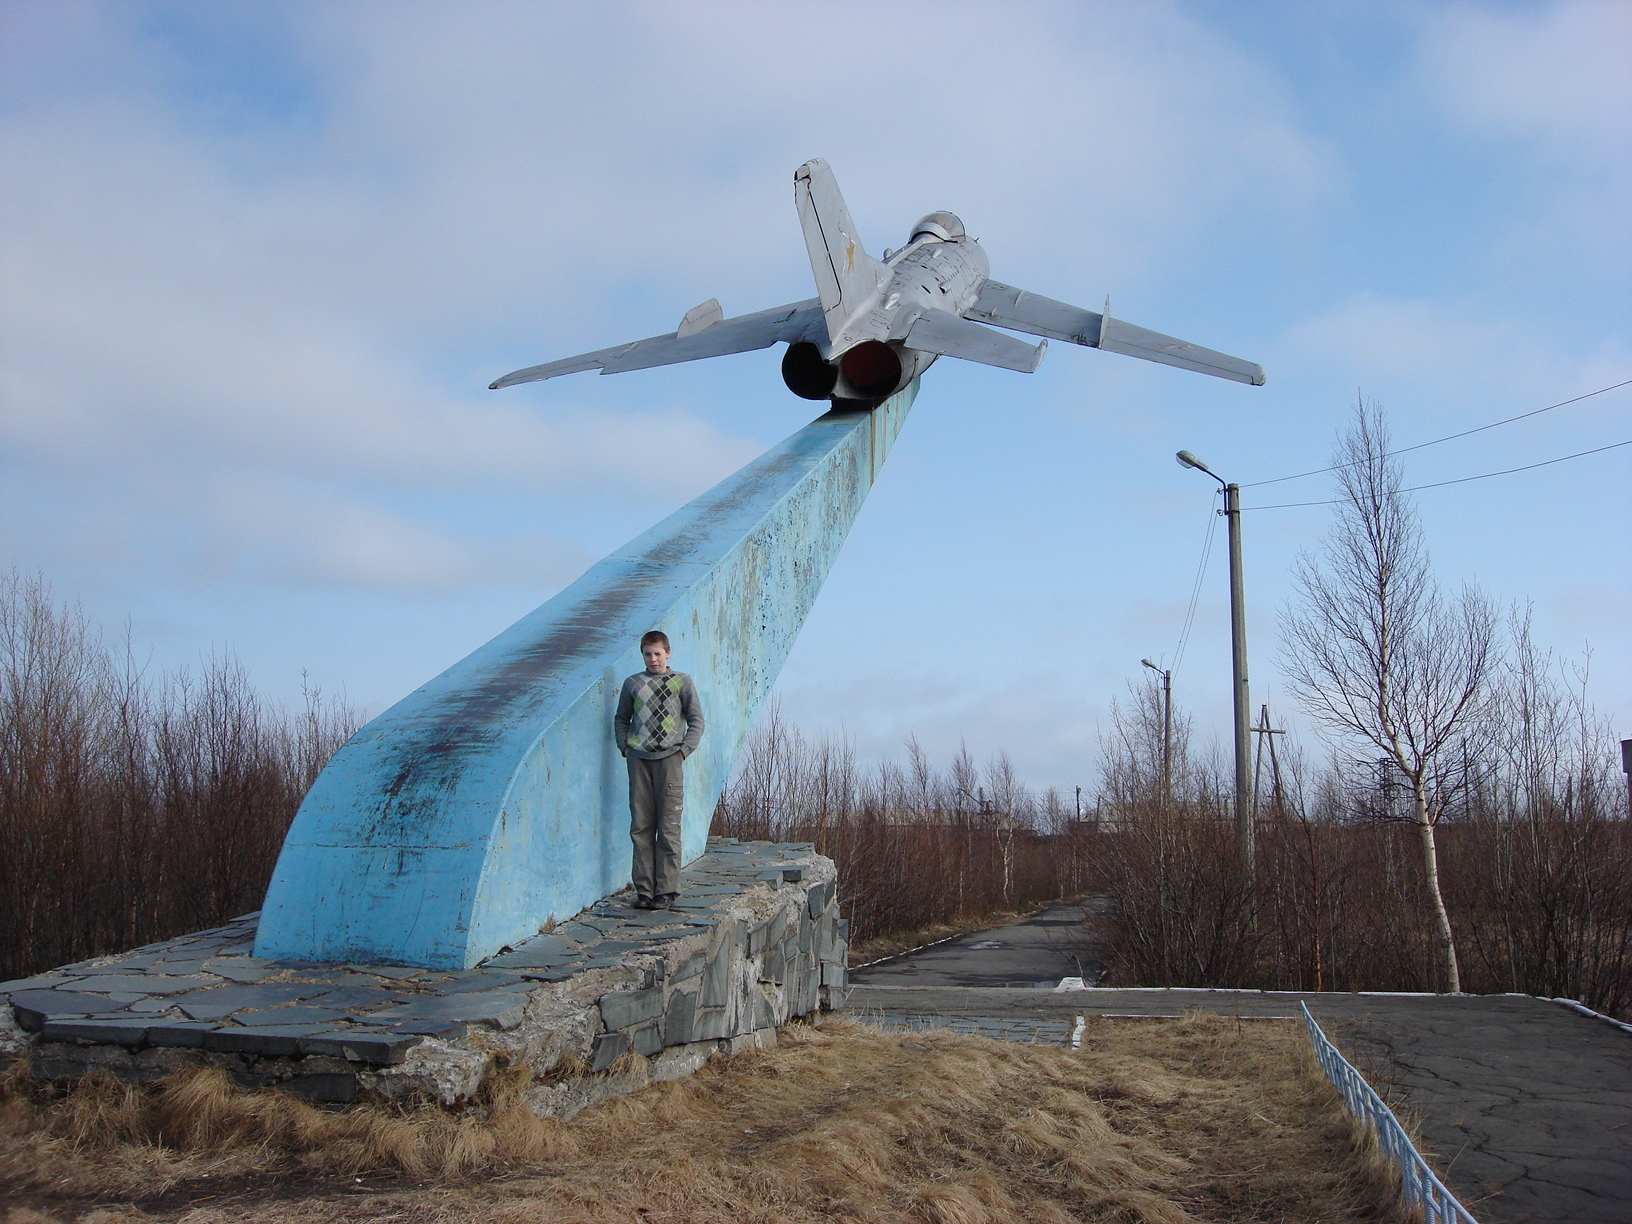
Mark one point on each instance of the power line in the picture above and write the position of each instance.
(1447, 438)
(1195, 587)
(1440, 484)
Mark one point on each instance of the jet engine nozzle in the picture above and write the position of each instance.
(873, 369)
(807, 373)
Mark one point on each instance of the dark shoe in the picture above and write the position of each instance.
(644, 903)
(665, 901)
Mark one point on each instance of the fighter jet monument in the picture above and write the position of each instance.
(491, 799)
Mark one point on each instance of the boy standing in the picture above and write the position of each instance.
(658, 725)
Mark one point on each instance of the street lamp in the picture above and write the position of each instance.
(1167, 731)
(1238, 657)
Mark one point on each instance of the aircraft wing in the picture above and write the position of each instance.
(796, 321)
(1006, 306)
(941, 331)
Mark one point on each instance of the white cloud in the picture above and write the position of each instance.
(1548, 85)
(1453, 353)
(295, 309)
(1554, 74)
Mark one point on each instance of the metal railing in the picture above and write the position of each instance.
(1419, 1186)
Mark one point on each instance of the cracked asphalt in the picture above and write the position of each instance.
(1523, 1105)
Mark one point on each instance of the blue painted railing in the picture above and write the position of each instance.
(1420, 1187)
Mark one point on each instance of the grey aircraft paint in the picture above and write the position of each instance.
(876, 324)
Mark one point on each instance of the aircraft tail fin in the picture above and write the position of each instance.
(844, 272)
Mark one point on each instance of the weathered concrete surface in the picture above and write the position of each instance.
(755, 940)
(1525, 1104)
(1039, 948)
(492, 798)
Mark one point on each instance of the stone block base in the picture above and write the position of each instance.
(754, 941)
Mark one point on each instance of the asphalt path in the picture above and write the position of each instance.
(1038, 949)
(1525, 1105)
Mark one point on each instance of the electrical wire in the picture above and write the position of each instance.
(1440, 484)
(1447, 438)
(1195, 587)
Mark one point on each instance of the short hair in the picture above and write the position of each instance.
(655, 637)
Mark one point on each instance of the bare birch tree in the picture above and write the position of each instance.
(1375, 653)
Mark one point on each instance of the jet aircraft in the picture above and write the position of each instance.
(876, 324)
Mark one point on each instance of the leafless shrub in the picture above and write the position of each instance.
(914, 846)
(134, 808)
(1537, 861)
(1545, 850)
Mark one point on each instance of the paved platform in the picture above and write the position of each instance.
(1526, 1104)
(754, 940)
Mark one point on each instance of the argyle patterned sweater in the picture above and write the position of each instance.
(658, 715)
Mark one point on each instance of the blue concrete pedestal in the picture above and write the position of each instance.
(492, 799)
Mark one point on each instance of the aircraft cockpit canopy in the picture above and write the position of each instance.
(942, 225)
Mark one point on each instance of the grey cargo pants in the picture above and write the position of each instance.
(656, 792)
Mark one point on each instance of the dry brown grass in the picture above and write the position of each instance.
(1151, 1122)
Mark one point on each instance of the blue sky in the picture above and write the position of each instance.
(261, 260)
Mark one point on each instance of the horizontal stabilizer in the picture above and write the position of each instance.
(1014, 308)
(794, 322)
(1119, 337)
(1007, 306)
(940, 331)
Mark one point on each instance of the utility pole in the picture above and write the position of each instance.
(1245, 833)
(1167, 731)
(1268, 733)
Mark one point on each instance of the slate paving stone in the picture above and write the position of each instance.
(182, 967)
(150, 1007)
(527, 959)
(488, 980)
(245, 970)
(35, 1007)
(137, 961)
(178, 1033)
(104, 1032)
(207, 1011)
(557, 974)
(358, 998)
(269, 1041)
(289, 1015)
(139, 985)
(430, 1028)
(472, 1007)
(44, 981)
(396, 972)
(545, 946)
(232, 998)
(651, 918)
